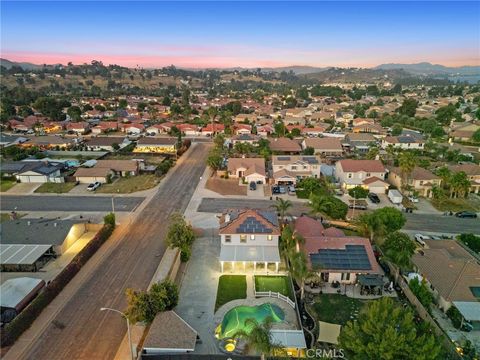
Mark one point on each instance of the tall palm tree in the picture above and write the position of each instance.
(459, 184)
(259, 336)
(300, 270)
(282, 206)
(445, 174)
(407, 161)
(370, 225)
(290, 241)
(320, 204)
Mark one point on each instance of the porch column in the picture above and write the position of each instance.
(233, 265)
(254, 266)
(266, 266)
(276, 266)
(221, 264)
(244, 267)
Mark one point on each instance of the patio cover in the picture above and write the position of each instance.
(289, 338)
(328, 332)
(249, 253)
(21, 254)
(370, 280)
(470, 310)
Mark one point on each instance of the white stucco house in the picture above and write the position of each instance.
(288, 169)
(369, 174)
(250, 169)
(249, 237)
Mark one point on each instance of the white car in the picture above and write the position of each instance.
(93, 186)
(413, 199)
(420, 238)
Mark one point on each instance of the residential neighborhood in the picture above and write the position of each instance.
(194, 194)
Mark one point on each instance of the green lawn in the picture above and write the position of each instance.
(6, 184)
(6, 216)
(460, 204)
(56, 188)
(337, 309)
(279, 284)
(127, 185)
(230, 287)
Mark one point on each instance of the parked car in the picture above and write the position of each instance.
(93, 186)
(466, 214)
(420, 238)
(282, 189)
(291, 189)
(395, 196)
(374, 198)
(275, 189)
(413, 199)
(253, 185)
(359, 204)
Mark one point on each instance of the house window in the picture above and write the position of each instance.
(421, 182)
(228, 238)
(252, 237)
(346, 276)
(294, 167)
(368, 174)
(243, 238)
(269, 237)
(349, 175)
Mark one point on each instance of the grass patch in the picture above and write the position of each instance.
(56, 188)
(337, 309)
(6, 216)
(302, 194)
(279, 284)
(6, 184)
(459, 204)
(230, 287)
(127, 185)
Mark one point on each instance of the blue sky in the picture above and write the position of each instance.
(224, 34)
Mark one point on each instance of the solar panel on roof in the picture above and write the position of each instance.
(252, 225)
(284, 158)
(353, 257)
(310, 159)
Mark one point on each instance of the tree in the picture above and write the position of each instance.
(358, 192)
(122, 104)
(180, 235)
(399, 248)
(407, 161)
(214, 159)
(282, 206)
(75, 113)
(422, 292)
(459, 184)
(397, 129)
(476, 135)
(328, 205)
(470, 240)
(166, 101)
(258, 336)
(385, 330)
(409, 107)
(372, 153)
(380, 222)
(309, 151)
(299, 269)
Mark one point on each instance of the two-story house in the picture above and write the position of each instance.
(420, 180)
(249, 237)
(369, 174)
(473, 174)
(405, 142)
(288, 169)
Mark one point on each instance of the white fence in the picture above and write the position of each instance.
(273, 294)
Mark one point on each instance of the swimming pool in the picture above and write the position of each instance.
(234, 319)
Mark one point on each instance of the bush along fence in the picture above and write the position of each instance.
(25, 319)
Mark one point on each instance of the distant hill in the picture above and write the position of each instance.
(426, 68)
(24, 65)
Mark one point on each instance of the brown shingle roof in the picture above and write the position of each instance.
(325, 144)
(105, 141)
(418, 173)
(284, 144)
(156, 141)
(469, 169)
(257, 164)
(92, 172)
(117, 165)
(350, 165)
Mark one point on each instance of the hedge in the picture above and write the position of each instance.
(24, 320)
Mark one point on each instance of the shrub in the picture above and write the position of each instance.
(455, 316)
(24, 320)
(185, 254)
(109, 219)
(163, 168)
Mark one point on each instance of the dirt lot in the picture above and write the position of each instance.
(225, 186)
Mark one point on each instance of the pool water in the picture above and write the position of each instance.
(234, 319)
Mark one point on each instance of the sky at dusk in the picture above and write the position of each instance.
(245, 34)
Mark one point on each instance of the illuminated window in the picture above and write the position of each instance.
(269, 237)
(243, 238)
(252, 237)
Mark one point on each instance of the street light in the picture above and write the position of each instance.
(128, 327)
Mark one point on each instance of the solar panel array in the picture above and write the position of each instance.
(284, 158)
(270, 216)
(310, 159)
(252, 226)
(405, 139)
(353, 257)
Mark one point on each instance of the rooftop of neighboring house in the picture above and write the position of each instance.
(325, 143)
(363, 137)
(284, 144)
(451, 270)
(469, 169)
(92, 172)
(252, 164)
(105, 141)
(49, 140)
(418, 173)
(155, 141)
(245, 137)
(403, 139)
(350, 165)
(118, 165)
(249, 221)
(290, 159)
(331, 250)
(19, 167)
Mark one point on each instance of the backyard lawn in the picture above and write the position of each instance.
(6, 184)
(127, 185)
(56, 188)
(279, 284)
(230, 287)
(337, 309)
(472, 203)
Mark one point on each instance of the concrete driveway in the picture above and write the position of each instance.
(81, 189)
(23, 188)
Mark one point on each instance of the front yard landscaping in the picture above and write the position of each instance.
(127, 185)
(337, 309)
(278, 284)
(225, 186)
(6, 184)
(472, 203)
(230, 287)
(55, 188)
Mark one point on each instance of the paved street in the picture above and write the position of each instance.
(89, 333)
(68, 203)
(418, 222)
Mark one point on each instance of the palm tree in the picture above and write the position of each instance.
(459, 184)
(281, 206)
(370, 225)
(407, 162)
(299, 269)
(320, 204)
(259, 336)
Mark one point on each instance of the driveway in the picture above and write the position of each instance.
(23, 189)
(198, 291)
(80, 189)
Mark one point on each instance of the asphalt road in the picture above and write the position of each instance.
(90, 333)
(417, 222)
(68, 203)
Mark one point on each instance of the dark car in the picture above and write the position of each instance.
(275, 189)
(466, 214)
(374, 198)
(253, 186)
